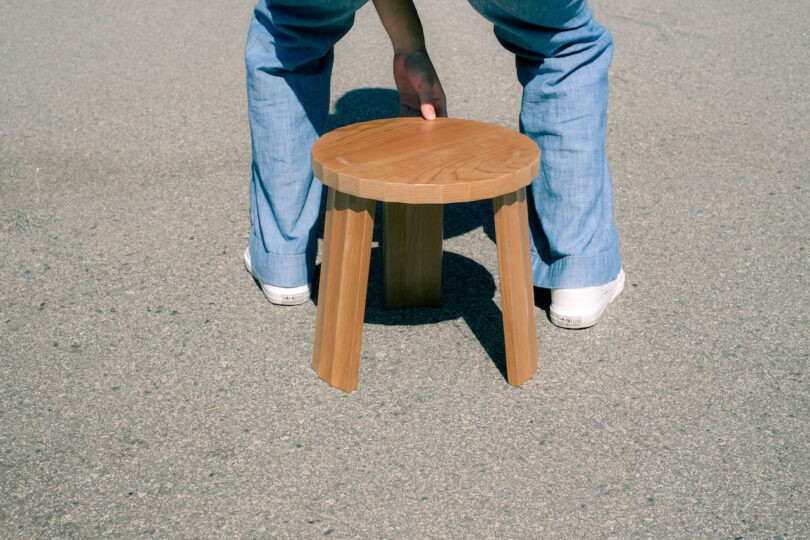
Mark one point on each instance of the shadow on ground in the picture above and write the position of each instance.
(475, 305)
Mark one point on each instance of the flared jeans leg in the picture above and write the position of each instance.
(289, 56)
(562, 58)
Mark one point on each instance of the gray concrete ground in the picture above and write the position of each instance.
(147, 388)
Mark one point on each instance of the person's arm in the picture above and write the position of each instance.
(417, 83)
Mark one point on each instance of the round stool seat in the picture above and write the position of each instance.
(414, 161)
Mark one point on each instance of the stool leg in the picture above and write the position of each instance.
(517, 296)
(412, 255)
(342, 292)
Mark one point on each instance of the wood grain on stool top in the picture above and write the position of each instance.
(412, 160)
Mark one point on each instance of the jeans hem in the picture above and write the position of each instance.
(281, 270)
(576, 271)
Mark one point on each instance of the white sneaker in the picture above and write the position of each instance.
(581, 308)
(282, 296)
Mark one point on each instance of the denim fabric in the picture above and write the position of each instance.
(289, 63)
(562, 59)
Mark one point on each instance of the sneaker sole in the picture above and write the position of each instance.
(586, 321)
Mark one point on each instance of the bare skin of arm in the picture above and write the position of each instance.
(420, 91)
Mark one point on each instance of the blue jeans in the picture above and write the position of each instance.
(562, 57)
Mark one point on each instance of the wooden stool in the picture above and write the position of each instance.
(415, 166)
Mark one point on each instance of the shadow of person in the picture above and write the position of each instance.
(468, 292)
(362, 105)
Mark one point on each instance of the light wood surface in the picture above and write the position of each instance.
(411, 160)
(342, 292)
(415, 166)
(412, 255)
(517, 295)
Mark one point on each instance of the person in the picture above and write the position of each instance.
(562, 56)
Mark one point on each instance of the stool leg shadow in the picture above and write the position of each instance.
(487, 327)
(542, 300)
(468, 292)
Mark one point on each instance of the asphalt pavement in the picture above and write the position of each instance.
(148, 388)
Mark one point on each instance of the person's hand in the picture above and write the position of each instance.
(420, 91)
